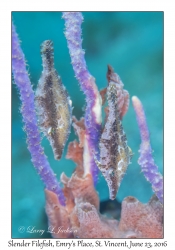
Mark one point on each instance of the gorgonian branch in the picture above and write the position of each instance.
(23, 83)
(73, 22)
(146, 160)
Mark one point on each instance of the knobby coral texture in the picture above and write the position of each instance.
(101, 149)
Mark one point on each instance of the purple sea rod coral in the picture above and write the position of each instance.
(23, 83)
(76, 205)
(93, 118)
(146, 160)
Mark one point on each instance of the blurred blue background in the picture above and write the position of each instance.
(132, 43)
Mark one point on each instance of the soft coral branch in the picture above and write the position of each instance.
(73, 22)
(23, 83)
(146, 160)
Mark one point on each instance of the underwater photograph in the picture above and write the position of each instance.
(87, 124)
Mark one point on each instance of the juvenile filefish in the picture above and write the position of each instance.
(54, 107)
(115, 154)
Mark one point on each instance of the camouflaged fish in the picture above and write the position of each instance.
(115, 154)
(54, 107)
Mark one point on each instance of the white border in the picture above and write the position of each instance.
(169, 118)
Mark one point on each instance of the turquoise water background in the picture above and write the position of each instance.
(132, 43)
